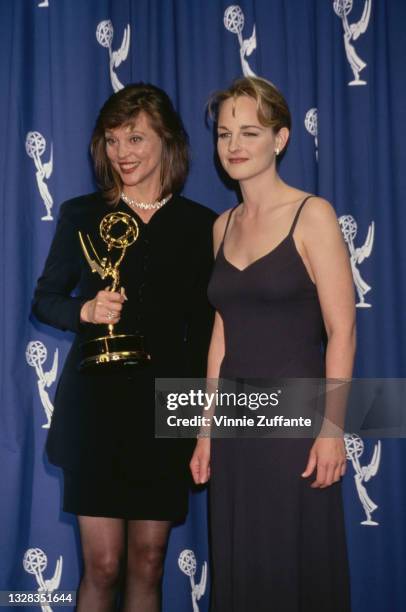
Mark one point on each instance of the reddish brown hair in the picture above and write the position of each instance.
(121, 109)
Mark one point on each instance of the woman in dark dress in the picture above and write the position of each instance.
(282, 279)
(126, 487)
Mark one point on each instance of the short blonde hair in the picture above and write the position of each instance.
(272, 108)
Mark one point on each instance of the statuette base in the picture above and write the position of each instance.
(108, 351)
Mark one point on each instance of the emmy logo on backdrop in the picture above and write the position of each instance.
(43, 4)
(36, 355)
(311, 126)
(104, 35)
(35, 145)
(357, 255)
(234, 22)
(363, 473)
(35, 562)
(188, 565)
(352, 32)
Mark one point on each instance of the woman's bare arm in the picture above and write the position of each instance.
(320, 240)
(200, 462)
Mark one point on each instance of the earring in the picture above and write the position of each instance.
(277, 151)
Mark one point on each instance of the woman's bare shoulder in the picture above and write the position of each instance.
(219, 228)
(318, 224)
(318, 211)
(221, 222)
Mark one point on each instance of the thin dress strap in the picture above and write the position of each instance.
(228, 223)
(299, 210)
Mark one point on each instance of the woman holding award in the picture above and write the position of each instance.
(282, 278)
(137, 256)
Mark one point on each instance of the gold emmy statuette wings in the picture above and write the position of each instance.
(96, 265)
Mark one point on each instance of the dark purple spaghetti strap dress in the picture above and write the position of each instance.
(277, 544)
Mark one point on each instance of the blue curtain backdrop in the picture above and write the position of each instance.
(341, 66)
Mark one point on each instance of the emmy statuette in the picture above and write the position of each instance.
(112, 349)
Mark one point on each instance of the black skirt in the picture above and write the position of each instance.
(113, 494)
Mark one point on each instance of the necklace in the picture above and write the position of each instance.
(144, 205)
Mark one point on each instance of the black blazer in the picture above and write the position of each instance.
(100, 419)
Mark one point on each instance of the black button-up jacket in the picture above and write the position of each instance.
(165, 274)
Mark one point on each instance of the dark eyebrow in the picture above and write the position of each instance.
(242, 127)
(133, 131)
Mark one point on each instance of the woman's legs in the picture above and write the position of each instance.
(103, 549)
(147, 543)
